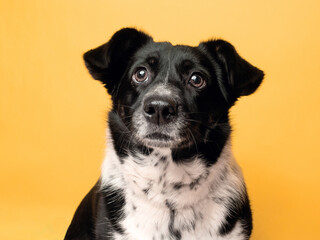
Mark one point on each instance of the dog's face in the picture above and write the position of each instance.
(170, 86)
(171, 96)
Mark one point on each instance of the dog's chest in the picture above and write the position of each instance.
(156, 179)
(144, 221)
(165, 200)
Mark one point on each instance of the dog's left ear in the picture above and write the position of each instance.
(108, 62)
(243, 78)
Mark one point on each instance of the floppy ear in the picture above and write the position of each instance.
(108, 62)
(242, 78)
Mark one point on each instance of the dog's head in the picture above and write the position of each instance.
(171, 96)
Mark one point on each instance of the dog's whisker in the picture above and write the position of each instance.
(194, 140)
(126, 106)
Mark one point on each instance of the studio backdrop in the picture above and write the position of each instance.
(53, 114)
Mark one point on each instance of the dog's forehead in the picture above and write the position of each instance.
(165, 51)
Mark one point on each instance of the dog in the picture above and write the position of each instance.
(168, 172)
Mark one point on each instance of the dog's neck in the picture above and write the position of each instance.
(157, 179)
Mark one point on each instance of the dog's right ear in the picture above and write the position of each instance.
(109, 61)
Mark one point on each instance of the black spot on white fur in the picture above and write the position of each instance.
(178, 185)
(163, 159)
(175, 234)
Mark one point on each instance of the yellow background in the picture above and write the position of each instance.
(52, 114)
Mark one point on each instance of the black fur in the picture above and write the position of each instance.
(237, 210)
(201, 112)
(98, 213)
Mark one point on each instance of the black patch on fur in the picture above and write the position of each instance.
(98, 214)
(114, 202)
(177, 186)
(246, 218)
(193, 225)
(164, 185)
(194, 184)
(146, 191)
(209, 151)
(169, 205)
(238, 210)
(161, 177)
(176, 234)
(83, 222)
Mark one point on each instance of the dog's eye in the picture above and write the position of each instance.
(141, 75)
(197, 81)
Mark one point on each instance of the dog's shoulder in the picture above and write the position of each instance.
(98, 214)
(82, 224)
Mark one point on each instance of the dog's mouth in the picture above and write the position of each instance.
(159, 140)
(162, 140)
(159, 137)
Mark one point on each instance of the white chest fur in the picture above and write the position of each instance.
(165, 200)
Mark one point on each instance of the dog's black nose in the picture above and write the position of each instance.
(159, 110)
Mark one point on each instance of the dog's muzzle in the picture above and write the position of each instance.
(158, 121)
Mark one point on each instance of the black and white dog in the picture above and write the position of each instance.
(169, 172)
